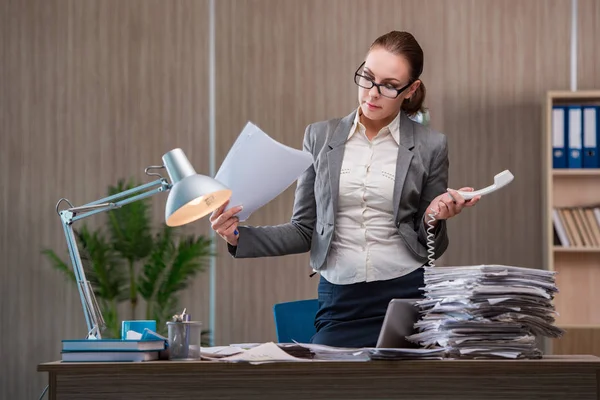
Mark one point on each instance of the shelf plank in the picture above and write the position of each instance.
(560, 249)
(558, 95)
(576, 172)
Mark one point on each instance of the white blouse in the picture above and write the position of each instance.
(366, 245)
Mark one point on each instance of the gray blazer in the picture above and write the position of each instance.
(421, 175)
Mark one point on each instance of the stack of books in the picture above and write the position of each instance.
(486, 311)
(576, 226)
(110, 350)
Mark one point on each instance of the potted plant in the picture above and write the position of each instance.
(125, 260)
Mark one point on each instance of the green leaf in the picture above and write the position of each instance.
(111, 319)
(59, 264)
(101, 265)
(189, 259)
(168, 270)
(155, 266)
(130, 225)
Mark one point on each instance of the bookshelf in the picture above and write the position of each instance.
(578, 265)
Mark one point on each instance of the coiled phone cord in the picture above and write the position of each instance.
(430, 238)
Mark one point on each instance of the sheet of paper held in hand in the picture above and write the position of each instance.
(258, 168)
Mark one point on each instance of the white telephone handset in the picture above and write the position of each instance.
(500, 180)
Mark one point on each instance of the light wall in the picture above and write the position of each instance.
(96, 90)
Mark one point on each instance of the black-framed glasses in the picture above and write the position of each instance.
(385, 89)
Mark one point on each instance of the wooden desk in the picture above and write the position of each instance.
(554, 377)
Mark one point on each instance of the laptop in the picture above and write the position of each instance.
(400, 317)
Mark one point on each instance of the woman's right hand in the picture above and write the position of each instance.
(226, 223)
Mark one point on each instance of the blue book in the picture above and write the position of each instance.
(559, 135)
(112, 345)
(575, 145)
(591, 119)
(109, 356)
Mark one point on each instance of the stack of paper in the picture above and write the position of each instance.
(437, 353)
(331, 353)
(487, 311)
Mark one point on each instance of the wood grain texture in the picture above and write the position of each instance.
(92, 92)
(553, 378)
(575, 190)
(588, 56)
(578, 340)
(285, 64)
(578, 281)
(95, 90)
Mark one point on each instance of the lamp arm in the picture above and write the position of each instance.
(93, 315)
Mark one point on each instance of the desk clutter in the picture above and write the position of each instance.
(468, 312)
(147, 346)
(111, 350)
(140, 342)
(487, 311)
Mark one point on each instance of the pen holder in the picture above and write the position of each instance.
(185, 338)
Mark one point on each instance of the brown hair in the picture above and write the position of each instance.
(404, 44)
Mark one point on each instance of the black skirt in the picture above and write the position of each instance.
(352, 315)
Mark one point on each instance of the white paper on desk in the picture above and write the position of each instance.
(322, 348)
(266, 352)
(258, 168)
(220, 351)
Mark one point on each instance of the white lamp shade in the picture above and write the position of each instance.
(192, 196)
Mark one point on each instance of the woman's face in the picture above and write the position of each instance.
(390, 70)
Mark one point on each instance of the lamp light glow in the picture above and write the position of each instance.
(192, 196)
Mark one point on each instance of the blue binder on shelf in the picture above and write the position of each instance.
(591, 131)
(559, 137)
(575, 137)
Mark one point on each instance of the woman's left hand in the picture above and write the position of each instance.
(451, 203)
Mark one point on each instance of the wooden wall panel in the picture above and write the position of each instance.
(284, 64)
(588, 61)
(578, 340)
(92, 91)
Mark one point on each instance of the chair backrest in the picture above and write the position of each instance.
(295, 320)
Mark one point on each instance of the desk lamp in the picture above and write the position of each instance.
(191, 197)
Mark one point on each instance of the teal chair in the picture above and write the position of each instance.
(295, 320)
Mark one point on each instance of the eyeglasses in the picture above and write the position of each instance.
(385, 89)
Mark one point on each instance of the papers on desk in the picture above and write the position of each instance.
(330, 353)
(283, 352)
(220, 351)
(436, 353)
(261, 353)
(257, 169)
(302, 352)
(487, 311)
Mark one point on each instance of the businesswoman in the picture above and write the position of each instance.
(361, 209)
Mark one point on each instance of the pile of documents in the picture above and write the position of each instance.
(436, 353)
(487, 311)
